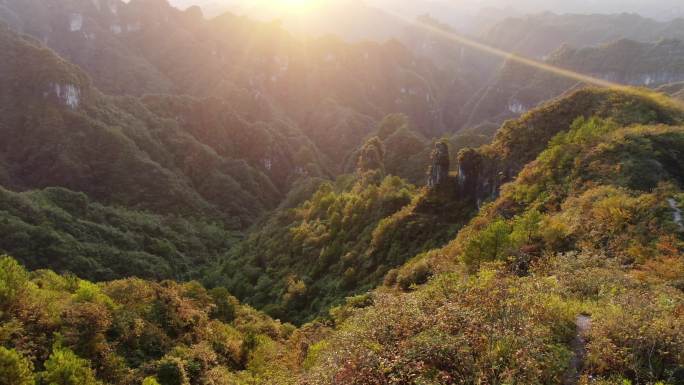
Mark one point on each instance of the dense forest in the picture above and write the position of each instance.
(188, 200)
(588, 230)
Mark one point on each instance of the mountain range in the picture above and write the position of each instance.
(188, 200)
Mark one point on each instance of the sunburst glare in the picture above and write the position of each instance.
(294, 6)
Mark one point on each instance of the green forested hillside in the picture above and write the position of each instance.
(148, 154)
(407, 151)
(585, 240)
(151, 187)
(256, 66)
(349, 238)
(303, 260)
(351, 234)
(572, 273)
(67, 231)
(186, 201)
(520, 141)
(64, 330)
(85, 33)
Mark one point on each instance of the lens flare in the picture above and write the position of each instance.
(566, 73)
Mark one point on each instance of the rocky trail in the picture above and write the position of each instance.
(579, 349)
(677, 214)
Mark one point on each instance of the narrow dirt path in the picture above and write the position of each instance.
(677, 213)
(579, 349)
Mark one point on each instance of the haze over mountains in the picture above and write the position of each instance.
(410, 193)
(354, 19)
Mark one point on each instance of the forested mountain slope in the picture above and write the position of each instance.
(256, 67)
(181, 158)
(162, 176)
(586, 239)
(62, 132)
(63, 330)
(278, 170)
(538, 35)
(353, 234)
(518, 88)
(587, 229)
(675, 90)
(67, 231)
(520, 141)
(85, 32)
(304, 259)
(325, 84)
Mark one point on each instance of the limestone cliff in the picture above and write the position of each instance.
(438, 173)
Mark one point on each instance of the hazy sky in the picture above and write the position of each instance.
(661, 9)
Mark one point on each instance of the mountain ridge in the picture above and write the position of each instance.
(167, 219)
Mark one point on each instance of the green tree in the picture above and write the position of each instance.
(489, 244)
(150, 381)
(225, 304)
(526, 228)
(172, 372)
(66, 368)
(390, 124)
(13, 279)
(15, 369)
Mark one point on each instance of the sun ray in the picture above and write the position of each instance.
(563, 72)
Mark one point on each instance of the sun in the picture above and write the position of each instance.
(289, 7)
(296, 5)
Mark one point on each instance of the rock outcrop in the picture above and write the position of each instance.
(438, 173)
(372, 156)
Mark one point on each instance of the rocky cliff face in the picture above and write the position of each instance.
(478, 177)
(438, 173)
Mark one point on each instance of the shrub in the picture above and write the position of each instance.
(13, 280)
(150, 381)
(171, 371)
(225, 304)
(415, 272)
(640, 335)
(486, 329)
(15, 369)
(66, 368)
(391, 277)
(491, 243)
